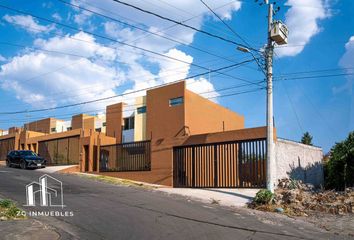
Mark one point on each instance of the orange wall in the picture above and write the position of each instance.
(43, 125)
(241, 134)
(14, 130)
(205, 116)
(83, 121)
(163, 120)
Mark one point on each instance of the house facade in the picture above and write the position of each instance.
(138, 143)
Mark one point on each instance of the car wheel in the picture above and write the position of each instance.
(8, 164)
(23, 165)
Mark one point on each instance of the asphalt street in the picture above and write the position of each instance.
(107, 211)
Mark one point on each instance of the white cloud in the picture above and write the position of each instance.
(97, 76)
(203, 87)
(81, 79)
(87, 47)
(81, 18)
(178, 10)
(302, 20)
(224, 13)
(2, 58)
(347, 61)
(182, 69)
(28, 23)
(57, 17)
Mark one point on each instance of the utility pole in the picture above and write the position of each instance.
(271, 164)
(277, 33)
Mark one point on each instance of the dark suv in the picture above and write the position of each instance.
(25, 159)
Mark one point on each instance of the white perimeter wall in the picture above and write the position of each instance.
(299, 161)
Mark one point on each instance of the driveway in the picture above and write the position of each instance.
(106, 211)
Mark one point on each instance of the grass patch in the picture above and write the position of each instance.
(116, 181)
(9, 210)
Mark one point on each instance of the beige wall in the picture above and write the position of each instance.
(299, 161)
(140, 120)
(114, 118)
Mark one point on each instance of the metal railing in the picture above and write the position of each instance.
(134, 156)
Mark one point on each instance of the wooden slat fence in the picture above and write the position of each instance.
(223, 165)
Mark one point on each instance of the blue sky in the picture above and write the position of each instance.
(44, 64)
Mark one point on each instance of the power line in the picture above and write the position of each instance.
(123, 94)
(210, 26)
(147, 31)
(238, 35)
(63, 67)
(307, 77)
(316, 110)
(227, 25)
(108, 38)
(182, 24)
(293, 108)
(316, 71)
(160, 31)
(135, 105)
(100, 36)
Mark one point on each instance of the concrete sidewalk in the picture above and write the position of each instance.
(48, 169)
(229, 197)
(53, 169)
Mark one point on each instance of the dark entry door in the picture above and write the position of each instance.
(86, 148)
(94, 164)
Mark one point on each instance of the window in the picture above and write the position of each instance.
(176, 101)
(69, 128)
(128, 123)
(28, 153)
(104, 124)
(141, 110)
(53, 129)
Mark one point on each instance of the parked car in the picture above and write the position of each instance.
(25, 159)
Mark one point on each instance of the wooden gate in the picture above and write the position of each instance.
(6, 146)
(223, 165)
(61, 151)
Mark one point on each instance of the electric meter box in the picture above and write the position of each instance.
(279, 33)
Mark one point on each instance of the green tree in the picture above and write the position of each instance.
(307, 139)
(339, 171)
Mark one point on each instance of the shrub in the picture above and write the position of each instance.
(12, 211)
(263, 196)
(5, 203)
(339, 171)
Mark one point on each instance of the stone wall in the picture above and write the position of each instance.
(299, 161)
